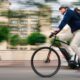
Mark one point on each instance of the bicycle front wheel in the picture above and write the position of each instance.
(45, 62)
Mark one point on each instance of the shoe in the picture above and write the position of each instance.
(75, 58)
(74, 62)
(79, 62)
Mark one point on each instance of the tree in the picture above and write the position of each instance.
(14, 40)
(4, 33)
(36, 38)
(23, 42)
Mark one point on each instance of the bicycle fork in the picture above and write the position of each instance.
(48, 57)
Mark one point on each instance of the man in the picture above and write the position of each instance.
(73, 21)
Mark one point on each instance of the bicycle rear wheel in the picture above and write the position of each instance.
(45, 64)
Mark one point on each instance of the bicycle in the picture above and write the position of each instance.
(46, 61)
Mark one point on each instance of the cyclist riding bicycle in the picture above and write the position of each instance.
(73, 20)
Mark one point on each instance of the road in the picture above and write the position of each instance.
(28, 74)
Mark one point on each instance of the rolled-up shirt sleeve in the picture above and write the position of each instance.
(65, 19)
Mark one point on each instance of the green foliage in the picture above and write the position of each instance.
(2, 23)
(4, 33)
(55, 42)
(38, 27)
(13, 14)
(4, 13)
(36, 38)
(23, 42)
(14, 40)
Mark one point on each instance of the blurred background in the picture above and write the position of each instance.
(26, 24)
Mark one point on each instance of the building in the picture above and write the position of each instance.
(30, 12)
(36, 15)
(27, 19)
(4, 6)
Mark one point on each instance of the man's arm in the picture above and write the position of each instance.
(66, 19)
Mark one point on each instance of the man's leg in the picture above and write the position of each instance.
(66, 36)
(76, 43)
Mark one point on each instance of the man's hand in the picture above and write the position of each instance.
(54, 33)
(51, 35)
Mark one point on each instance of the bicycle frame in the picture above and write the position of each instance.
(63, 51)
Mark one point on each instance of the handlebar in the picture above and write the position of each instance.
(54, 33)
(51, 35)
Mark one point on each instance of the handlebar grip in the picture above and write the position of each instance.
(55, 33)
(51, 35)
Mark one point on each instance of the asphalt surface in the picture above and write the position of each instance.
(28, 74)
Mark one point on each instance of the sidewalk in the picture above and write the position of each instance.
(20, 59)
(25, 64)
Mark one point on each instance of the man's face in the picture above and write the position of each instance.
(62, 11)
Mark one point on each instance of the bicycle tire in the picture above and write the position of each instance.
(34, 69)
